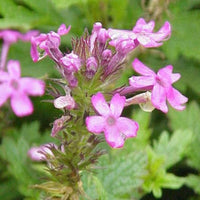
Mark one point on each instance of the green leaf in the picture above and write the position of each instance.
(188, 119)
(193, 181)
(13, 151)
(24, 15)
(157, 176)
(184, 33)
(167, 146)
(119, 178)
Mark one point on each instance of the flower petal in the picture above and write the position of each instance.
(32, 86)
(21, 105)
(140, 68)
(4, 76)
(117, 104)
(167, 76)
(127, 127)
(142, 82)
(175, 98)
(158, 98)
(114, 137)
(164, 32)
(100, 104)
(95, 124)
(14, 69)
(148, 41)
(141, 25)
(5, 93)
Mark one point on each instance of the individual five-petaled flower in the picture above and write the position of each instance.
(160, 84)
(18, 89)
(142, 33)
(115, 128)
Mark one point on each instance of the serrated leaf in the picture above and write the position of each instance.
(183, 39)
(120, 177)
(188, 119)
(14, 150)
(178, 142)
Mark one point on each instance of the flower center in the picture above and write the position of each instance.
(14, 84)
(111, 120)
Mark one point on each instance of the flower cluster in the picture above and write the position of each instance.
(12, 85)
(90, 70)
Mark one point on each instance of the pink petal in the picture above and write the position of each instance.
(158, 98)
(142, 69)
(176, 99)
(117, 104)
(100, 104)
(139, 25)
(166, 75)
(148, 41)
(95, 124)
(14, 69)
(5, 93)
(21, 105)
(141, 82)
(127, 127)
(34, 52)
(118, 34)
(32, 86)
(4, 76)
(164, 32)
(62, 30)
(27, 36)
(113, 137)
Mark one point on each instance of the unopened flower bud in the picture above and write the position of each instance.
(64, 102)
(91, 67)
(39, 153)
(106, 55)
(58, 125)
(71, 62)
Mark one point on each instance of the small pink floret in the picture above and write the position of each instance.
(116, 129)
(160, 84)
(19, 89)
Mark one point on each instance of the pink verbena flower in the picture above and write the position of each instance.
(115, 128)
(160, 84)
(9, 37)
(18, 89)
(142, 33)
(46, 42)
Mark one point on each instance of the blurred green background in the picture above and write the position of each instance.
(163, 162)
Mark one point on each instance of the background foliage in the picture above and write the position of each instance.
(163, 162)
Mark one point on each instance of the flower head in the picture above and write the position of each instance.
(18, 89)
(115, 128)
(142, 33)
(160, 84)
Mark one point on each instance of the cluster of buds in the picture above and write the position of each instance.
(12, 85)
(92, 104)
